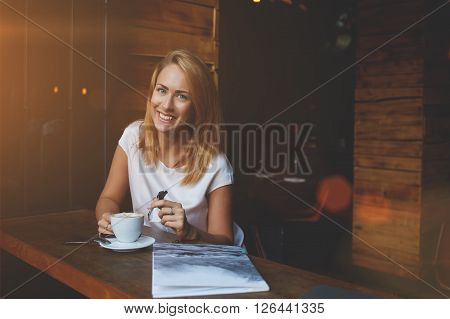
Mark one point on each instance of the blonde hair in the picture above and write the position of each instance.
(204, 144)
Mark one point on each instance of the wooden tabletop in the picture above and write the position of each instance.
(101, 273)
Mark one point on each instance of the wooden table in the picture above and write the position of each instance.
(101, 273)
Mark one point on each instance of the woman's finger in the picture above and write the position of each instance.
(164, 203)
(171, 224)
(103, 223)
(107, 217)
(168, 218)
(103, 230)
(168, 211)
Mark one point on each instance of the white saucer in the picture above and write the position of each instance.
(142, 242)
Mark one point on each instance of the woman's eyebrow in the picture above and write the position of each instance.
(177, 91)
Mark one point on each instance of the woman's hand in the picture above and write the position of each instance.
(104, 224)
(172, 215)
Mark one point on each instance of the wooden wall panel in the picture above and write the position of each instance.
(394, 163)
(87, 157)
(394, 17)
(12, 109)
(174, 16)
(402, 135)
(389, 148)
(143, 43)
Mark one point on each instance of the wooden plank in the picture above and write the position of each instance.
(401, 197)
(169, 15)
(395, 16)
(396, 163)
(391, 81)
(388, 148)
(383, 175)
(413, 65)
(413, 38)
(142, 41)
(373, 219)
(389, 129)
(389, 53)
(386, 193)
(207, 3)
(385, 266)
(401, 256)
(396, 108)
(386, 104)
(386, 94)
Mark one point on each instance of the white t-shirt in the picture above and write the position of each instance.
(146, 181)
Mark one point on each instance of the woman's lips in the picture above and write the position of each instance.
(165, 117)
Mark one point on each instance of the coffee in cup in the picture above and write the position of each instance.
(127, 227)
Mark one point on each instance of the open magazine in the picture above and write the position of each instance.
(181, 270)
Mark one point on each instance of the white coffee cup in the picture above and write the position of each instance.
(127, 226)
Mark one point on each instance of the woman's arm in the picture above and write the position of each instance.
(220, 219)
(114, 191)
(220, 229)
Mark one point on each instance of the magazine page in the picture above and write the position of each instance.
(203, 269)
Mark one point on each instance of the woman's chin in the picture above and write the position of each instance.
(164, 127)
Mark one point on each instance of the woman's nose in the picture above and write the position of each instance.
(166, 104)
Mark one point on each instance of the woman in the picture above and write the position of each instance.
(175, 148)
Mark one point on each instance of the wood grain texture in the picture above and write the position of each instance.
(161, 42)
(402, 129)
(101, 273)
(173, 16)
(393, 176)
(395, 17)
(388, 148)
(376, 95)
(384, 194)
(385, 162)
(386, 266)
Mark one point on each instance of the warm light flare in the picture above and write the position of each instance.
(55, 89)
(334, 193)
(374, 207)
(84, 91)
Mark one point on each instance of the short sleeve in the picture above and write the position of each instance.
(130, 138)
(222, 173)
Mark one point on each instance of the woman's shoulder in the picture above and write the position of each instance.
(133, 127)
(130, 136)
(220, 161)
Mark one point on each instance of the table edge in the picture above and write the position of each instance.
(59, 270)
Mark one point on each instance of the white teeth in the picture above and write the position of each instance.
(165, 117)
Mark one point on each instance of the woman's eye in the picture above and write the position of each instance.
(161, 90)
(182, 97)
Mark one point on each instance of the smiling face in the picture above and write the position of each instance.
(171, 102)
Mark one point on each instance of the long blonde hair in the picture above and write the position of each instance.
(204, 144)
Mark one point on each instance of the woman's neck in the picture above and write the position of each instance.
(171, 149)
